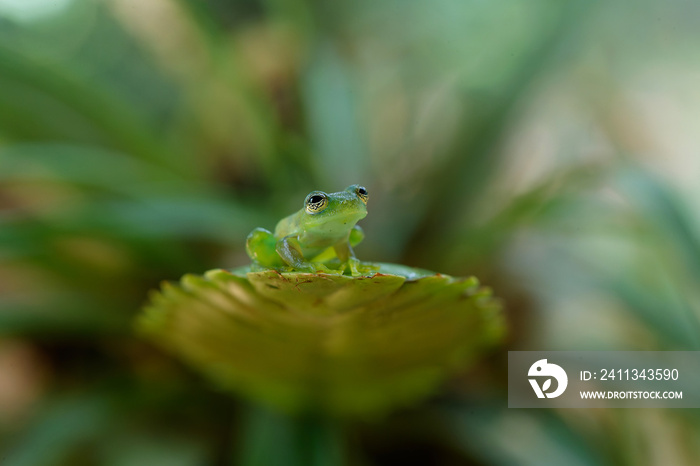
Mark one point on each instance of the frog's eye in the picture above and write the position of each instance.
(316, 202)
(362, 193)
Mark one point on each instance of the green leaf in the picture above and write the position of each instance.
(333, 344)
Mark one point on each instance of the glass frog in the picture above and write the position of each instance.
(319, 235)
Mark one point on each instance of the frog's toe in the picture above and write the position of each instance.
(363, 268)
(323, 268)
(355, 267)
(305, 268)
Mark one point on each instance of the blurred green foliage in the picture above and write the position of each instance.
(549, 148)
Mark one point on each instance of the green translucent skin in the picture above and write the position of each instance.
(314, 241)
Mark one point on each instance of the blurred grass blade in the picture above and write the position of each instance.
(60, 430)
(504, 437)
(473, 158)
(297, 441)
(89, 167)
(674, 322)
(663, 210)
(337, 139)
(546, 201)
(89, 318)
(101, 112)
(124, 195)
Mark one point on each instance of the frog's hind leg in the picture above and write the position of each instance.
(260, 246)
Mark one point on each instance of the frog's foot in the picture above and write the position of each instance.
(257, 267)
(323, 268)
(311, 267)
(358, 268)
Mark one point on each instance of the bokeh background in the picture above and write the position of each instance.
(550, 148)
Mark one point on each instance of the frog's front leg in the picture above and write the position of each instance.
(357, 234)
(345, 252)
(289, 249)
(347, 256)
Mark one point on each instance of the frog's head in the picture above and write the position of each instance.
(335, 213)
